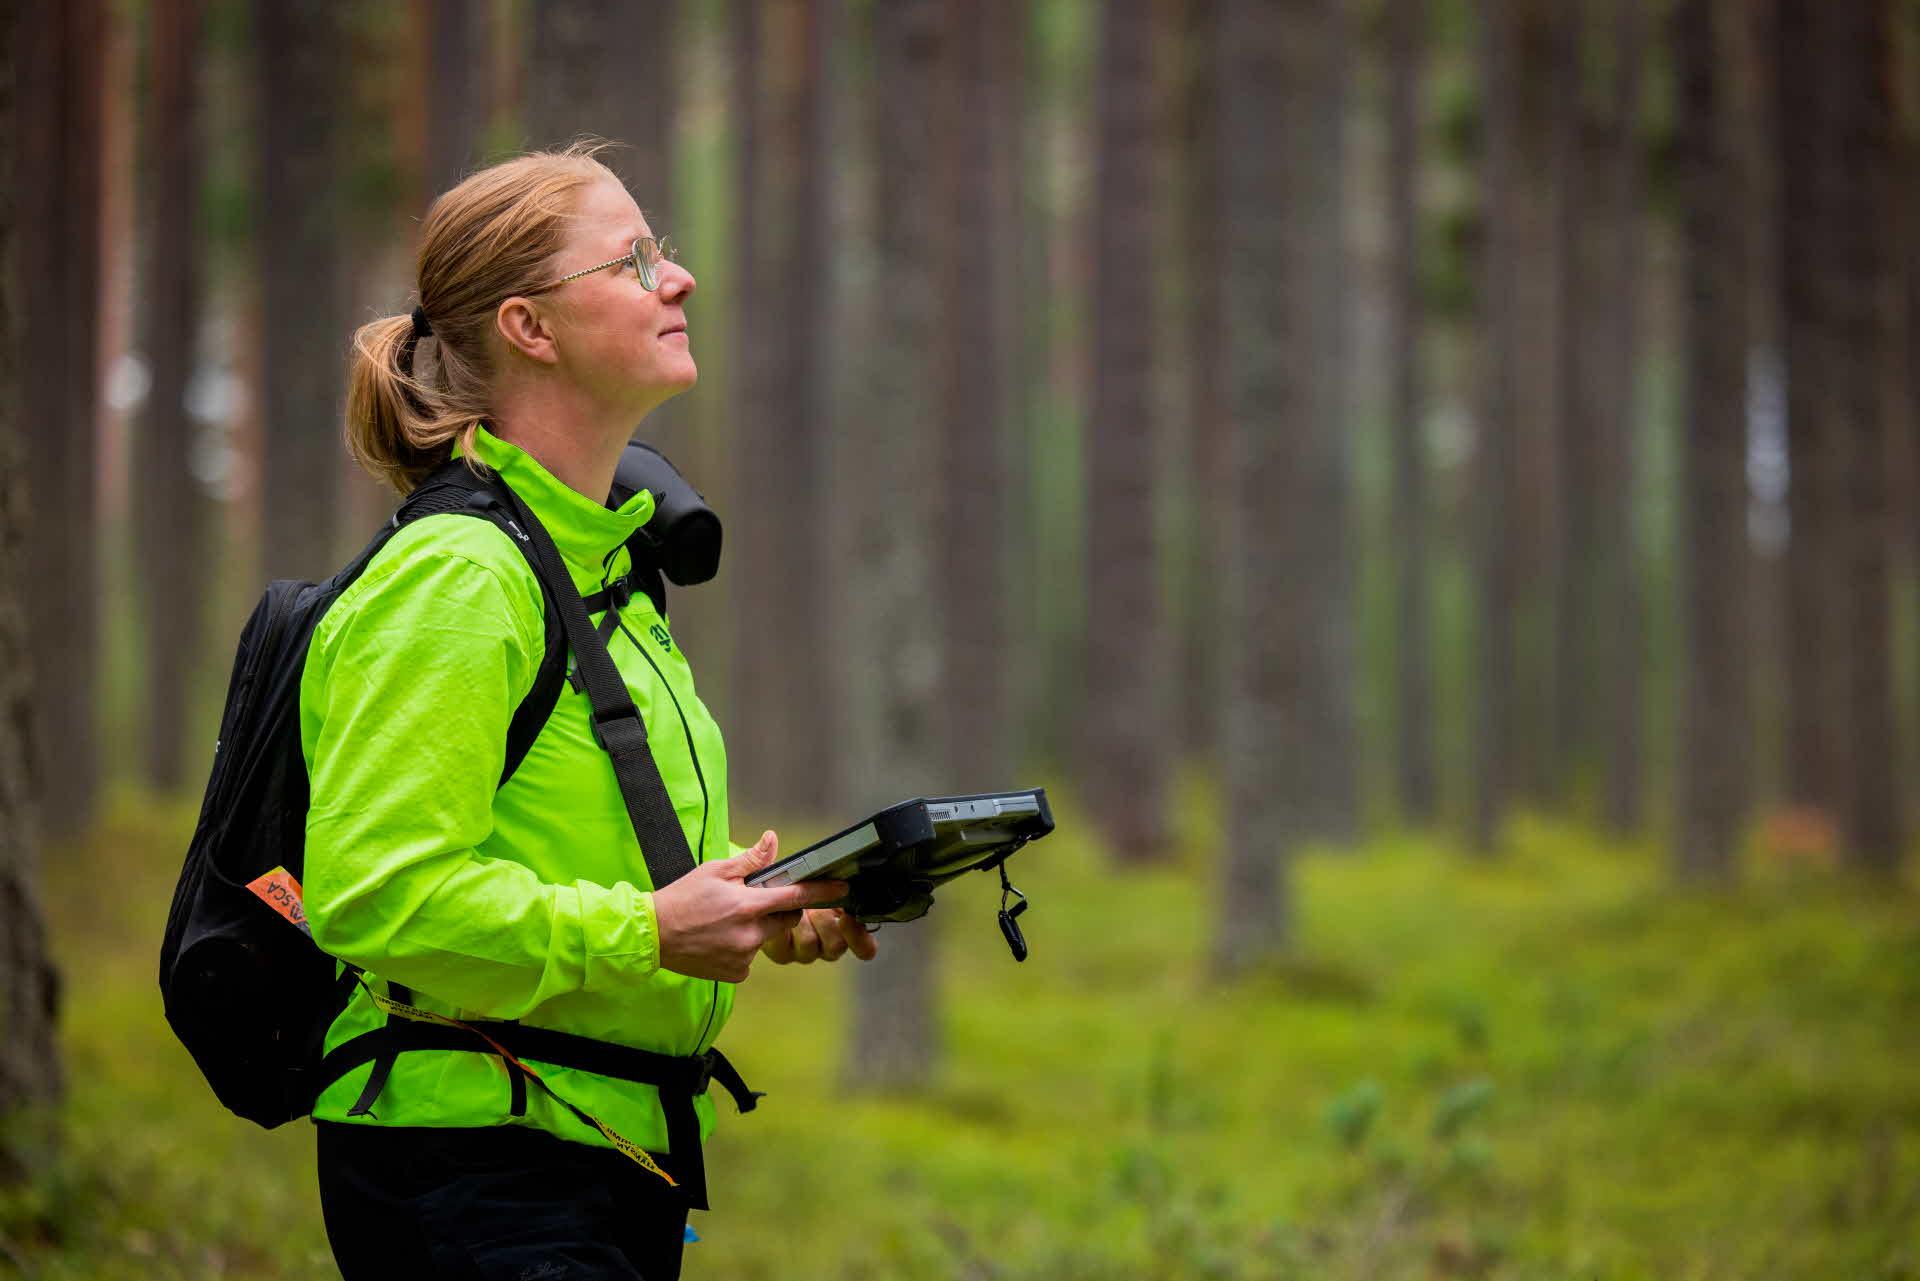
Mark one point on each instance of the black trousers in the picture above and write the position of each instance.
(504, 1203)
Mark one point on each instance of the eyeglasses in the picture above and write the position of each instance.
(646, 256)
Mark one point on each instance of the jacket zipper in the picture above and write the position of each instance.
(706, 800)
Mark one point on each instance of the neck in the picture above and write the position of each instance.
(578, 446)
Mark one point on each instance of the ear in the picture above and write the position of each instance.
(527, 330)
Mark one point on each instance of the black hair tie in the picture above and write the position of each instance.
(422, 328)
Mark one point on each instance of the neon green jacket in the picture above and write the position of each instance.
(529, 901)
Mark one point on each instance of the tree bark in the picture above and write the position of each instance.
(799, 276)
(1813, 312)
(1532, 348)
(972, 374)
(1495, 481)
(605, 69)
(1019, 262)
(780, 647)
(1210, 423)
(1863, 349)
(1621, 647)
(59, 72)
(1126, 691)
(1413, 676)
(456, 89)
(755, 729)
(30, 1080)
(299, 223)
(893, 653)
(1910, 424)
(1287, 624)
(1575, 540)
(169, 508)
(1715, 706)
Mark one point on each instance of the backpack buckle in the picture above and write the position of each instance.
(703, 1072)
(620, 734)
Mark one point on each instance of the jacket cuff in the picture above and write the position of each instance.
(622, 935)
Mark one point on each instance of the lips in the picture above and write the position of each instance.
(680, 328)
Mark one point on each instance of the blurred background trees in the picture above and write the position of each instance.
(1353, 414)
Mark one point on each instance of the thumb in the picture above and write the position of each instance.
(748, 861)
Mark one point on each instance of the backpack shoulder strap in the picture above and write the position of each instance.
(453, 488)
(616, 722)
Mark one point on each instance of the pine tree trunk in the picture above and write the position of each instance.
(58, 82)
(1818, 733)
(605, 69)
(30, 1081)
(1715, 718)
(1286, 631)
(971, 372)
(1413, 694)
(1910, 424)
(1575, 541)
(1016, 266)
(1532, 348)
(893, 654)
(299, 54)
(780, 642)
(1126, 689)
(1863, 347)
(1495, 484)
(1210, 422)
(1620, 646)
(798, 278)
(456, 89)
(169, 510)
(753, 708)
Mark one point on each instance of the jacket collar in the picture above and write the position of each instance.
(587, 534)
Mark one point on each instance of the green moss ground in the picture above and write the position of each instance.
(1550, 1066)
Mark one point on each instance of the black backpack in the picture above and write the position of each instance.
(251, 998)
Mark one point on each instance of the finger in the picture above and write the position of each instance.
(806, 940)
(791, 898)
(826, 926)
(761, 853)
(776, 923)
(778, 947)
(859, 938)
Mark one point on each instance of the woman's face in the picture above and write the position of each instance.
(622, 343)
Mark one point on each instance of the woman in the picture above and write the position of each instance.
(550, 322)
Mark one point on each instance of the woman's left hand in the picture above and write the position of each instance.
(823, 934)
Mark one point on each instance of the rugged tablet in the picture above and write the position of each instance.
(893, 861)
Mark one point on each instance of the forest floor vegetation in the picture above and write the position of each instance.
(1550, 1066)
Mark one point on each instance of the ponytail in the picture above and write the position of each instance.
(397, 428)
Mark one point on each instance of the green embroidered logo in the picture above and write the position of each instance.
(659, 634)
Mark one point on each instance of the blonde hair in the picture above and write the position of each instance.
(485, 240)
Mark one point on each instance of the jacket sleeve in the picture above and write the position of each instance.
(405, 703)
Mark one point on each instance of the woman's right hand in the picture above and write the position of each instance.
(712, 924)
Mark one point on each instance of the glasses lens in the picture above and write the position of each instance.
(643, 263)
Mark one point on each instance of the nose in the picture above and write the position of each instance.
(676, 282)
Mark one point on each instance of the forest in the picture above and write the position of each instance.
(1430, 488)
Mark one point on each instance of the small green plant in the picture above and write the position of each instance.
(1459, 1105)
(1353, 1111)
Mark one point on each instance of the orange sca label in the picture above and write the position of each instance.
(279, 891)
